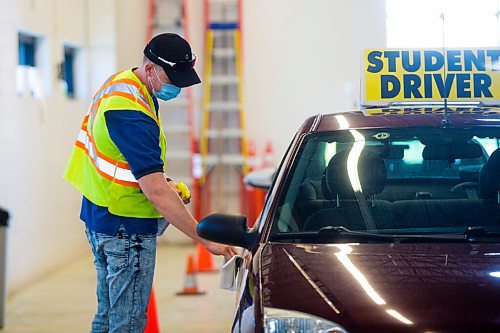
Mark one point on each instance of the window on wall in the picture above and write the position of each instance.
(28, 76)
(443, 23)
(27, 48)
(68, 70)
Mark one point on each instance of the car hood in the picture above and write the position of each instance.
(386, 287)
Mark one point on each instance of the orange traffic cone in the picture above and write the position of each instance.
(190, 282)
(153, 325)
(205, 262)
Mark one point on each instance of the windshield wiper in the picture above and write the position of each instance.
(336, 233)
(474, 233)
(471, 234)
(344, 232)
(398, 238)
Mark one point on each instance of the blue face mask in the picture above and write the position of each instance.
(167, 91)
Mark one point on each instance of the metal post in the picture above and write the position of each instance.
(4, 217)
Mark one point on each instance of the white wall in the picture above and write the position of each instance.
(303, 58)
(131, 24)
(101, 29)
(36, 135)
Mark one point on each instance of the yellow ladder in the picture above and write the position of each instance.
(223, 137)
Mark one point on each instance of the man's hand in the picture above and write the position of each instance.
(181, 189)
(219, 249)
(248, 259)
(184, 193)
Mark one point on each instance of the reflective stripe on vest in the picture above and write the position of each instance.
(107, 167)
(126, 88)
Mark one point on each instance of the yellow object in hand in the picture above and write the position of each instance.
(184, 191)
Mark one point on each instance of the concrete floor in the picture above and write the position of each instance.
(65, 300)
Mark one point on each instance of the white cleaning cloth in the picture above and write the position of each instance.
(230, 272)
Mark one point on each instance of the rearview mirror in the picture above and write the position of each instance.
(226, 229)
(452, 151)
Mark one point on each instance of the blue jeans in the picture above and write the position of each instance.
(125, 267)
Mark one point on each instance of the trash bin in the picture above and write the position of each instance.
(4, 217)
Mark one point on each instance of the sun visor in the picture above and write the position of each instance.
(429, 76)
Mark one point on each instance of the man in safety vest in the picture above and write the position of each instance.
(118, 165)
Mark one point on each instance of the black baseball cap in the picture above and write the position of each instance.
(173, 54)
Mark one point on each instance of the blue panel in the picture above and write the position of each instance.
(224, 26)
(69, 57)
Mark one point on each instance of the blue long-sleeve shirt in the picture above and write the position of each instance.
(136, 136)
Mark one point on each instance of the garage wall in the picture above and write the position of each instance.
(131, 32)
(36, 134)
(303, 58)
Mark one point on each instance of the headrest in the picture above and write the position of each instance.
(307, 191)
(489, 177)
(371, 171)
(452, 151)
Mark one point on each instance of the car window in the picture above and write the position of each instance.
(424, 180)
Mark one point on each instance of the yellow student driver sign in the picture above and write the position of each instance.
(429, 75)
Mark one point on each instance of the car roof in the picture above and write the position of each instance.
(394, 117)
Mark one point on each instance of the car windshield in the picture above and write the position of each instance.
(404, 181)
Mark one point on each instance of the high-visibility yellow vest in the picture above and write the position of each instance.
(96, 166)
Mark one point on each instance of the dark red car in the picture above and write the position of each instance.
(386, 220)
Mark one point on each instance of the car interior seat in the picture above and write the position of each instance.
(371, 170)
(353, 206)
(489, 178)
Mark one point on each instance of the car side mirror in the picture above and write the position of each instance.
(262, 179)
(226, 229)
